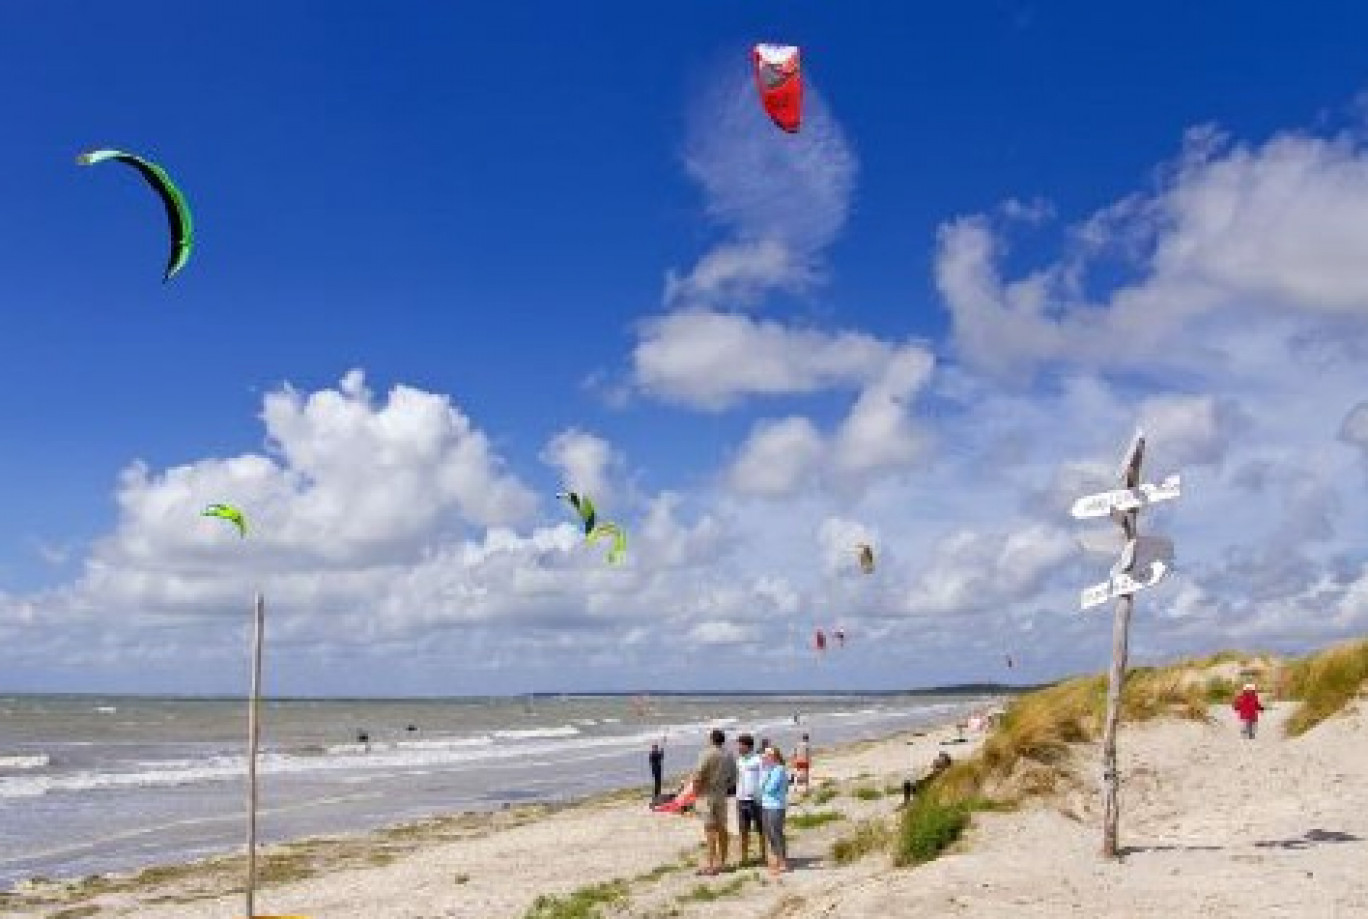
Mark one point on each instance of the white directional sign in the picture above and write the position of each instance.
(1122, 584)
(1126, 499)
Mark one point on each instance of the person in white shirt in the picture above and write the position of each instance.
(750, 770)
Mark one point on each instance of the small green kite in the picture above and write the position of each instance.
(177, 211)
(229, 513)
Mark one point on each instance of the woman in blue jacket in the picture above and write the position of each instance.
(773, 803)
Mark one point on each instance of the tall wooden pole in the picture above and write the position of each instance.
(1111, 778)
(253, 737)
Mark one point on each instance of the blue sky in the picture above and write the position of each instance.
(484, 204)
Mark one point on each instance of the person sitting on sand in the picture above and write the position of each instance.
(773, 806)
(714, 774)
(1248, 705)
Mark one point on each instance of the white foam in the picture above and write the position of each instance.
(18, 761)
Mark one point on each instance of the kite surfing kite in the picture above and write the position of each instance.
(779, 79)
(819, 641)
(866, 557)
(594, 530)
(177, 211)
(583, 506)
(618, 550)
(229, 513)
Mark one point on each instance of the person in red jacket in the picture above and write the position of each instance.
(1248, 706)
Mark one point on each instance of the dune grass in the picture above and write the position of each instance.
(867, 837)
(1028, 753)
(584, 903)
(1325, 684)
(813, 819)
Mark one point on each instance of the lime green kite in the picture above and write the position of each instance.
(229, 513)
(618, 551)
(177, 211)
(593, 529)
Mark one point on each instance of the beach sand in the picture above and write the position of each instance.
(1212, 825)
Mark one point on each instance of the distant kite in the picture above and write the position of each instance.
(866, 555)
(229, 513)
(779, 79)
(819, 640)
(177, 211)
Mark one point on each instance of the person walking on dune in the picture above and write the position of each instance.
(1248, 706)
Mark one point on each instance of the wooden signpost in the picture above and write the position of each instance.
(1143, 563)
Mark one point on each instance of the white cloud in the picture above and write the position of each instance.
(1277, 228)
(877, 436)
(782, 198)
(585, 462)
(710, 360)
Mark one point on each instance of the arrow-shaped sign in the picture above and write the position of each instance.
(1122, 584)
(1126, 499)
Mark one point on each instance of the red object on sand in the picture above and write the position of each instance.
(679, 803)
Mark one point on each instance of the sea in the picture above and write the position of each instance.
(92, 784)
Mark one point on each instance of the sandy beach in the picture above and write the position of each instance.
(1212, 825)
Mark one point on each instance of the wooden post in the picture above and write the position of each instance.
(1116, 683)
(253, 737)
(1111, 780)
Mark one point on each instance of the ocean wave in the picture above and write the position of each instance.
(19, 761)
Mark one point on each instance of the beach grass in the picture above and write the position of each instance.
(867, 793)
(584, 903)
(868, 836)
(814, 819)
(1325, 684)
(1028, 753)
(707, 893)
(928, 828)
(827, 793)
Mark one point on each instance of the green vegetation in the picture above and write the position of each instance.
(868, 836)
(825, 794)
(1027, 754)
(1325, 683)
(866, 793)
(927, 829)
(813, 819)
(703, 893)
(584, 903)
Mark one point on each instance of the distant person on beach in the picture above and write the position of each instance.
(938, 765)
(657, 760)
(750, 768)
(712, 776)
(802, 761)
(1248, 706)
(773, 806)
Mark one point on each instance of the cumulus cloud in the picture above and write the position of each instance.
(710, 360)
(782, 199)
(584, 461)
(878, 435)
(1273, 228)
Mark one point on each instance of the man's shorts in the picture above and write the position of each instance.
(747, 816)
(714, 812)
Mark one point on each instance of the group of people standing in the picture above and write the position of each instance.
(759, 778)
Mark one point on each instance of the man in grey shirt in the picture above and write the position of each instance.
(713, 777)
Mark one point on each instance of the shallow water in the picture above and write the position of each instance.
(93, 784)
